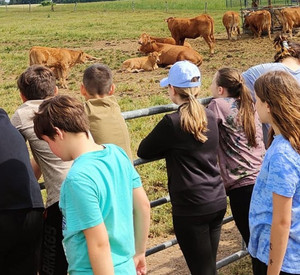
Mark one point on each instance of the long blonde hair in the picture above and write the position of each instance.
(281, 91)
(192, 113)
(232, 80)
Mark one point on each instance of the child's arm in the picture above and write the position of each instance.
(99, 250)
(36, 168)
(141, 216)
(281, 223)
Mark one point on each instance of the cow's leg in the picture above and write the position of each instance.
(64, 77)
(269, 32)
(228, 30)
(210, 44)
(238, 31)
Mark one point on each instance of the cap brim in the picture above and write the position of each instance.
(164, 82)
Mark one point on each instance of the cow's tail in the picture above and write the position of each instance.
(212, 27)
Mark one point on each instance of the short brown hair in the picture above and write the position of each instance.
(97, 79)
(37, 82)
(63, 112)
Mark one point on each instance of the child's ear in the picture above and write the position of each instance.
(24, 99)
(83, 91)
(112, 89)
(220, 90)
(59, 133)
(56, 91)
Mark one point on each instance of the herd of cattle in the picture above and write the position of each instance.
(167, 51)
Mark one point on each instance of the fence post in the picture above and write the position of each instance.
(166, 4)
(132, 5)
(205, 8)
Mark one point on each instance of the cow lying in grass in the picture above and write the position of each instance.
(169, 40)
(169, 53)
(60, 60)
(144, 63)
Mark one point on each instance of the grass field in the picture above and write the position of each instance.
(110, 30)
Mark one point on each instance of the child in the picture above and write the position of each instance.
(106, 211)
(106, 122)
(188, 140)
(275, 205)
(241, 142)
(21, 204)
(287, 58)
(36, 84)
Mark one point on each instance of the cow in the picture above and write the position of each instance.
(202, 25)
(169, 40)
(144, 63)
(231, 22)
(258, 21)
(59, 60)
(169, 53)
(290, 18)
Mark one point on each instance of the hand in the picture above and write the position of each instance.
(140, 263)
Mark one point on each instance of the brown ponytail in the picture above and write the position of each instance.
(232, 80)
(193, 117)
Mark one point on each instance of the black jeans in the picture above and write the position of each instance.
(20, 241)
(260, 268)
(240, 202)
(198, 238)
(53, 259)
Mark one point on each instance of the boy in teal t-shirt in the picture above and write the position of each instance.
(106, 211)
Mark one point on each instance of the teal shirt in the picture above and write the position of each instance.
(98, 188)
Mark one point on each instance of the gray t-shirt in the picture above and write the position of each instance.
(54, 170)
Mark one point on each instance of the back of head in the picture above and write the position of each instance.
(97, 79)
(233, 81)
(285, 48)
(281, 91)
(63, 112)
(185, 77)
(37, 82)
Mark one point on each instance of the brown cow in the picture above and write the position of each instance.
(144, 63)
(60, 60)
(169, 40)
(258, 21)
(231, 22)
(169, 53)
(290, 18)
(202, 25)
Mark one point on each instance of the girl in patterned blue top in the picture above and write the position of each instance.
(274, 216)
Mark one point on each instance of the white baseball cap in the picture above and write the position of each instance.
(181, 74)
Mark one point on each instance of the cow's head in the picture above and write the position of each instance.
(83, 57)
(144, 39)
(169, 19)
(155, 56)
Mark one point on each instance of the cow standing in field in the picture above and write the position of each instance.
(169, 53)
(202, 25)
(60, 60)
(290, 18)
(231, 22)
(258, 21)
(139, 64)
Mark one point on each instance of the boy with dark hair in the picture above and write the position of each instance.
(21, 204)
(107, 124)
(36, 84)
(106, 211)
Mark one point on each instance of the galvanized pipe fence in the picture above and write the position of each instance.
(164, 109)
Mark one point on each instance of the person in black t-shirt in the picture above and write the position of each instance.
(21, 205)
